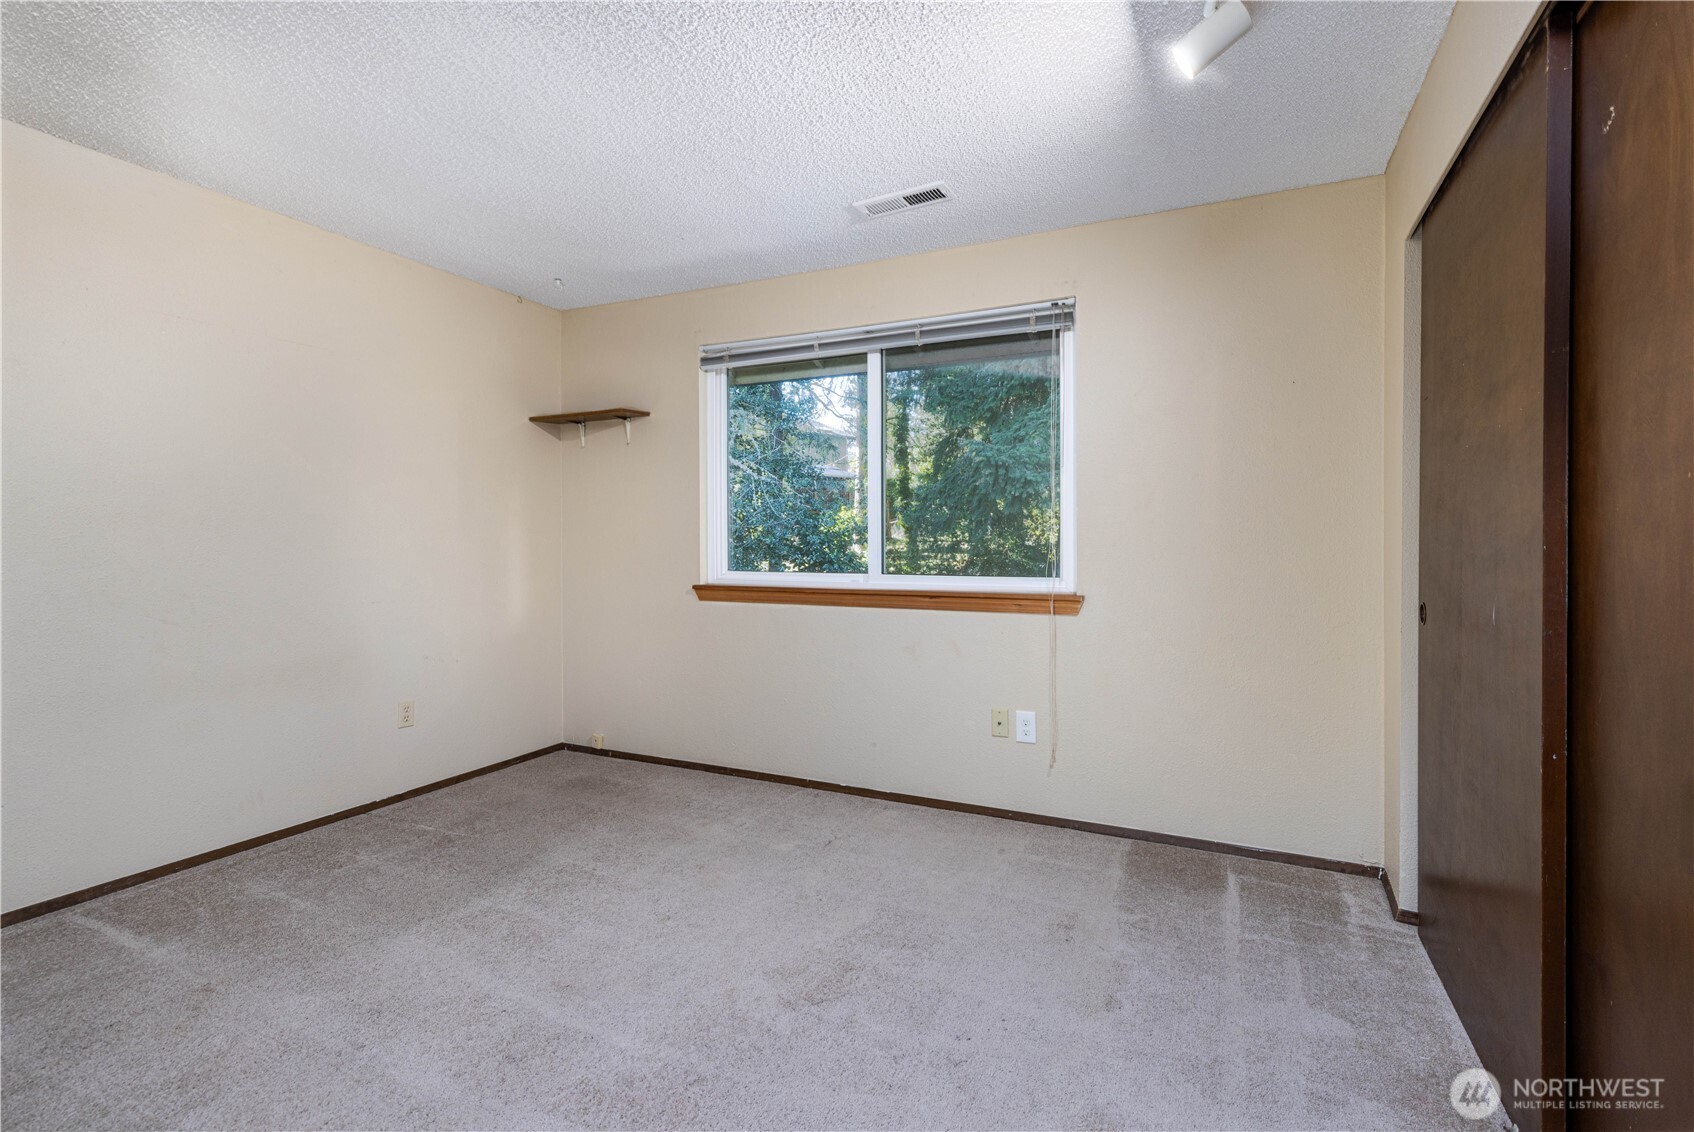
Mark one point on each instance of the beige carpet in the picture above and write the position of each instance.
(583, 942)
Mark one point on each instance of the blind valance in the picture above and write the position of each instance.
(1031, 318)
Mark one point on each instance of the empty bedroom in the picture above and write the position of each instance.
(847, 565)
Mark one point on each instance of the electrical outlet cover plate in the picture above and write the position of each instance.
(1000, 724)
(407, 714)
(1026, 727)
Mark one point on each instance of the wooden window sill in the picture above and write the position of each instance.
(975, 601)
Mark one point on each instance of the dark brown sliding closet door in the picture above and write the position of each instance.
(1490, 666)
(1632, 559)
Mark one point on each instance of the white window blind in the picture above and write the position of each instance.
(1034, 318)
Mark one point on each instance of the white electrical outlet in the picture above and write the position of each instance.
(1000, 726)
(598, 740)
(1026, 727)
(407, 714)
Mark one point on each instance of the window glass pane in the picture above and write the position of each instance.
(797, 474)
(970, 443)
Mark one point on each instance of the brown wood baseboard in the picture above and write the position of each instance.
(1400, 914)
(1065, 605)
(1325, 863)
(31, 911)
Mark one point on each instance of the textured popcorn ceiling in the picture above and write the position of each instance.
(638, 149)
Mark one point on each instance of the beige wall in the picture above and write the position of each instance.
(260, 484)
(1223, 680)
(1480, 42)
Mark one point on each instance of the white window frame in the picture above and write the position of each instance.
(714, 445)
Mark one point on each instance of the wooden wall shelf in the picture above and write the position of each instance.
(587, 415)
(582, 418)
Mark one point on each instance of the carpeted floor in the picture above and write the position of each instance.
(579, 941)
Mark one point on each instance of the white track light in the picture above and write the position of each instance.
(1222, 25)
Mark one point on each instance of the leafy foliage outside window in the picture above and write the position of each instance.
(797, 475)
(968, 446)
(969, 471)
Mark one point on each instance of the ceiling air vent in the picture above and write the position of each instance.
(901, 201)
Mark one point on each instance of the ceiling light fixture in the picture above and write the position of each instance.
(1222, 25)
